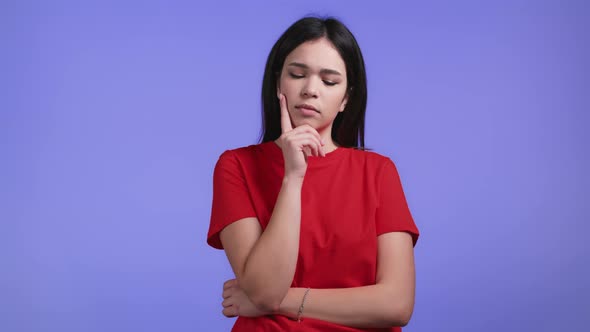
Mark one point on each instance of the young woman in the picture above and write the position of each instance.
(316, 229)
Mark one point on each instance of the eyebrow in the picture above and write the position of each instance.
(322, 71)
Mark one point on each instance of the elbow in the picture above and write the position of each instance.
(265, 298)
(403, 317)
(266, 303)
(400, 315)
(398, 309)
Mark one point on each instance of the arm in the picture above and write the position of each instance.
(264, 262)
(389, 302)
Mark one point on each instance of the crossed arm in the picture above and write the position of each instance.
(265, 266)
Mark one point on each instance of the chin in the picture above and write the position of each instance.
(312, 123)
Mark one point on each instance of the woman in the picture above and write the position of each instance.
(316, 228)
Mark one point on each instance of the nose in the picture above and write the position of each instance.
(310, 89)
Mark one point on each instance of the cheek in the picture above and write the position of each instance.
(289, 87)
(287, 84)
(337, 96)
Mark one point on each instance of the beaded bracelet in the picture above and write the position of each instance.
(300, 312)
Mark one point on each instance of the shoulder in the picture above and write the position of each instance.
(240, 151)
(371, 159)
(374, 165)
(244, 151)
(249, 154)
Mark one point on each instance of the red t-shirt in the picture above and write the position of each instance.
(348, 198)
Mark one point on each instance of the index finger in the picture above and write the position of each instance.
(285, 119)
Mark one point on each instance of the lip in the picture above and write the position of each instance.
(307, 107)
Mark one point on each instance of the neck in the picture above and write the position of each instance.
(326, 135)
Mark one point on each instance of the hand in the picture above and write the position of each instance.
(297, 144)
(236, 302)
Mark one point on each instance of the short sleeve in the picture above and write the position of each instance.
(393, 214)
(231, 197)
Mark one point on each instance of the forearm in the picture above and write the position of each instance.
(374, 306)
(270, 267)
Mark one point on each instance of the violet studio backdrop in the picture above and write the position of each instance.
(113, 114)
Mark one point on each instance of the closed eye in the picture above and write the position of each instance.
(326, 82)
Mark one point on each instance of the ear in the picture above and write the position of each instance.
(343, 104)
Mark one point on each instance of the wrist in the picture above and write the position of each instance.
(302, 306)
(291, 303)
(292, 181)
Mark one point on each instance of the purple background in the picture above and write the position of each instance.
(114, 113)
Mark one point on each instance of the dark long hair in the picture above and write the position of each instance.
(348, 129)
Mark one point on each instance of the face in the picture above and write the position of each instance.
(313, 80)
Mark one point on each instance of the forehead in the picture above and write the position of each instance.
(317, 54)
